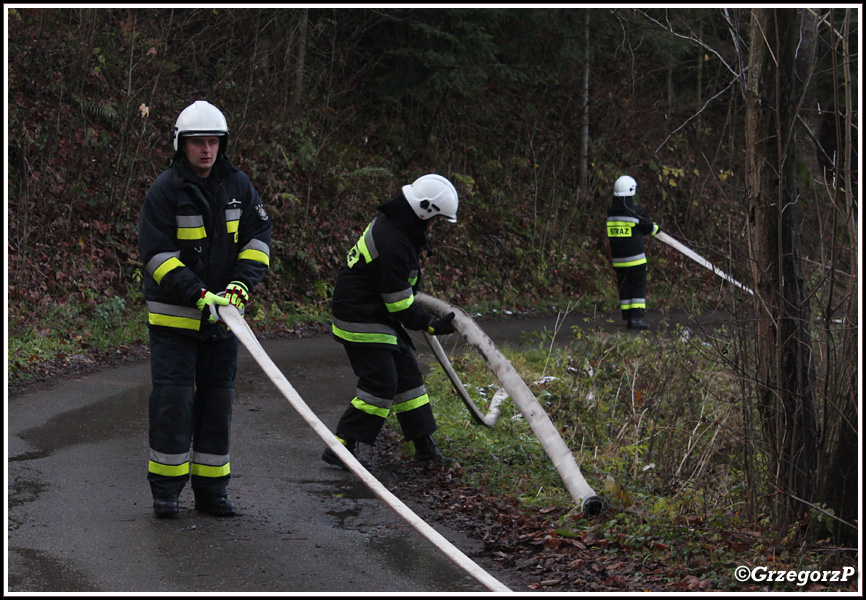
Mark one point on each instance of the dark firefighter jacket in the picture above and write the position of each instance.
(196, 234)
(627, 224)
(374, 295)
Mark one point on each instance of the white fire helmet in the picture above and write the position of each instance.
(624, 186)
(432, 195)
(199, 119)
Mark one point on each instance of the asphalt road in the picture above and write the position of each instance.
(79, 510)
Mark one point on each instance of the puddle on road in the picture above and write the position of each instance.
(107, 419)
(347, 494)
(44, 573)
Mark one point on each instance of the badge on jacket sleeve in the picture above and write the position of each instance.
(260, 208)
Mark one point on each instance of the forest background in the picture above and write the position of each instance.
(532, 113)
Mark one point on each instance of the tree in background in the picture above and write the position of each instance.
(781, 62)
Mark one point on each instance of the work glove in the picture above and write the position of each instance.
(207, 300)
(238, 294)
(442, 326)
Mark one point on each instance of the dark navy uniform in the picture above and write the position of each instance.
(373, 305)
(196, 234)
(627, 224)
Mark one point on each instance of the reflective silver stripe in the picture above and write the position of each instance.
(374, 400)
(410, 394)
(173, 310)
(153, 263)
(211, 460)
(394, 297)
(625, 259)
(168, 459)
(626, 219)
(632, 301)
(364, 327)
(233, 214)
(189, 221)
(258, 245)
(369, 242)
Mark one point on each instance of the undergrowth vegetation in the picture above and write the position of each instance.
(657, 428)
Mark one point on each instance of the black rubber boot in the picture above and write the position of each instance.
(165, 507)
(218, 507)
(330, 457)
(637, 323)
(426, 450)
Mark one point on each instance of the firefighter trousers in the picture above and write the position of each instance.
(190, 412)
(631, 283)
(387, 380)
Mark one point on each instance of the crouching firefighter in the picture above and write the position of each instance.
(204, 240)
(627, 224)
(373, 306)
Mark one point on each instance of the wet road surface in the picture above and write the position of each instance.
(79, 510)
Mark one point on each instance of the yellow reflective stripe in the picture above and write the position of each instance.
(398, 301)
(255, 255)
(401, 305)
(619, 229)
(636, 303)
(172, 321)
(364, 337)
(631, 263)
(191, 233)
(168, 470)
(369, 408)
(655, 229)
(209, 471)
(165, 268)
(412, 404)
(232, 226)
(362, 246)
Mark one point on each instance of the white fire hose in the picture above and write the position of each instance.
(661, 235)
(245, 335)
(488, 420)
(541, 425)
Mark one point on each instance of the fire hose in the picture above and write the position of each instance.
(530, 408)
(699, 259)
(488, 420)
(233, 319)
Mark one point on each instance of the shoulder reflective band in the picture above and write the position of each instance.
(365, 247)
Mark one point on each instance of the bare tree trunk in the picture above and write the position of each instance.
(839, 469)
(583, 163)
(780, 64)
(298, 87)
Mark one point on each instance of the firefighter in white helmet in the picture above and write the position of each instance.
(204, 239)
(373, 306)
(627, 224)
